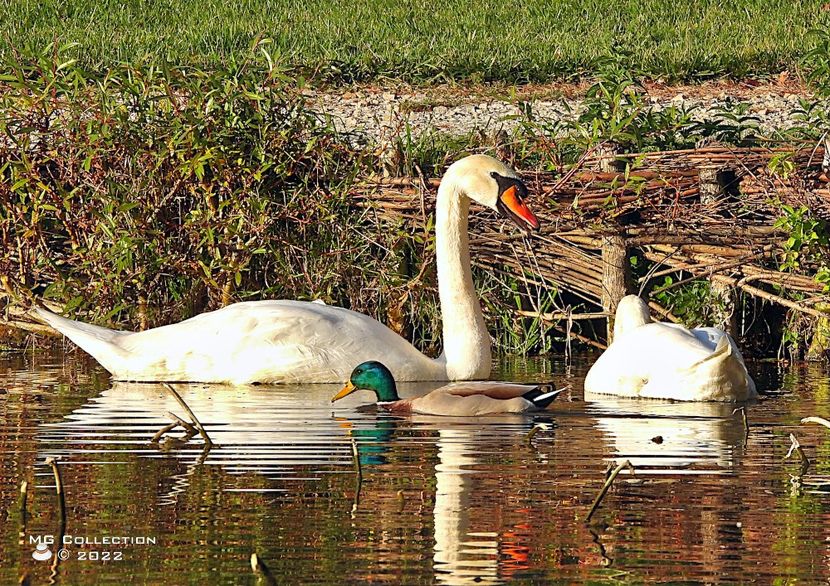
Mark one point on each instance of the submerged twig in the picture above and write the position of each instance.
(169, 427)
(24, 495)
(190, 430)
(59, 490)
(796, 447)
(358, 476)
(537, 427)
(745, 420)
(356, 460)
(262, 571)
(606, 486)
(606, 559)
(196, 423)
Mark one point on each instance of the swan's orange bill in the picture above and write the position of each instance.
(346, 390)
(510, 198)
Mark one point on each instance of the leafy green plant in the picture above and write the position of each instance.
(693, 302)
(808, 238)
(149, 194)
(169, 190)
(816, 61)
(616, 111)
(782, 164)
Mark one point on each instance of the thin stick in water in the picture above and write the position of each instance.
(606, 486)
(261, 570)
(795, 446)
(537, 427)
(197, 424)
(24, 496)
(358, 476)
(745, 420)
(59, 489)
(169, 427)
(189, 429)
(356, 461)
(819, 420)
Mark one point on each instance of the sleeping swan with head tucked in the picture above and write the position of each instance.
(656, 360)
(306, 342)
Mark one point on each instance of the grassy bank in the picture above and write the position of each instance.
(428, 40)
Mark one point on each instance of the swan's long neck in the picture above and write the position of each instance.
(632, 312)
(466, 341)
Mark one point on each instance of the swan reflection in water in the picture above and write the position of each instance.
(266, 430)
(662, 437)
(254, 428)
(470, 547)
(673, 440)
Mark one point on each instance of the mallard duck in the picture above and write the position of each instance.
(668, 361)
(467, 399)
(297, 341)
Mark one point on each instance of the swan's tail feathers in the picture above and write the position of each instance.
(723, 347)
(725, 367)
(543, 395)
(101, 343)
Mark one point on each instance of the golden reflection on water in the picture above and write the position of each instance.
(445, 500)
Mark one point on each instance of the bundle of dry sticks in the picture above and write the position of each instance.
(711, 212)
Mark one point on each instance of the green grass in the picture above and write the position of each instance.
(429, 40)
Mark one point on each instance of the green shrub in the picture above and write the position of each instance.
(173, 189)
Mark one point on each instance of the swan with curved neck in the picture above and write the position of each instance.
(296, 341)
(655, 360)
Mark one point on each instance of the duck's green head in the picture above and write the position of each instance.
(371, 376)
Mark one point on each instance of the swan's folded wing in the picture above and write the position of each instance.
(269, 341)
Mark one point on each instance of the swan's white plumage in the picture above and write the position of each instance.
(667, 361)
(295, 341)
(255, 341)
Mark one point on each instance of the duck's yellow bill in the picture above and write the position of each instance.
(346, 390)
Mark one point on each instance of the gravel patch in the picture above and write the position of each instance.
(374, 116)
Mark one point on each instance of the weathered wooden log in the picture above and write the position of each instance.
(713, 186)
(616, 277)
(606, 157)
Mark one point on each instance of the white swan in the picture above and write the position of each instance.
(667, 361)
(297, 341)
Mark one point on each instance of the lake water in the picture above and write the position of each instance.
(442, 500)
